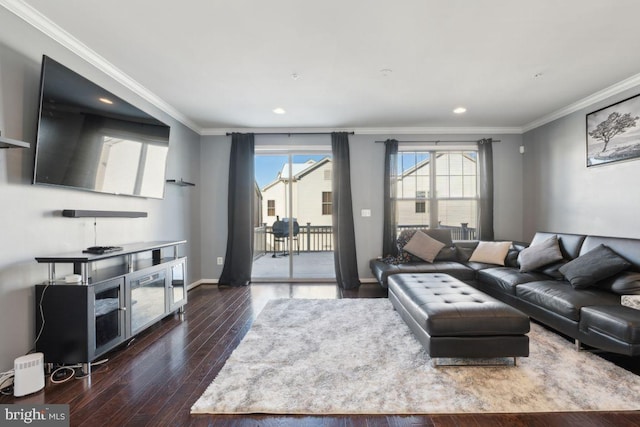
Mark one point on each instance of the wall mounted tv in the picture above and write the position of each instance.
(92, 140)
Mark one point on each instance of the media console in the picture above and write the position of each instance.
(119, 295)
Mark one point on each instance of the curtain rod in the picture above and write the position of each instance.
(293, 133)
(436, 142)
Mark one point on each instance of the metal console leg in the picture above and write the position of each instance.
(85, 369)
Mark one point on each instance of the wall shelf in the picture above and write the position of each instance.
(181, 182)
(13, 143)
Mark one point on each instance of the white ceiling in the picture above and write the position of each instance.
(222, 64)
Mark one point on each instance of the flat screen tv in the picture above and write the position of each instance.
(90, 139)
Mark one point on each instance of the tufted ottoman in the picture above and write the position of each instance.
(454, 320)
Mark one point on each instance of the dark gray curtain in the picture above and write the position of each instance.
(389, 246)
(485, 209)
(239, 256)
(344, 238)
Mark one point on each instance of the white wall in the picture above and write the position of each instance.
(30, 220)
(367, 192)
(563, 195)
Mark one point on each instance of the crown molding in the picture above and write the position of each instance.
(374, 130)
(493, 130)
(588, 101)
(43, 24)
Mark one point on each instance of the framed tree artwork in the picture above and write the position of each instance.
(613, 132)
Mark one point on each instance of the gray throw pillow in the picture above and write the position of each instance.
(540, 254)
(597, 264)
(625, 283)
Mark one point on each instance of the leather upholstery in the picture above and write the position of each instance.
(593, 316)
(629, 249)
(620, 322)
(569, 243)
(506, 279)
(382, 270)
(453, 319)
(560, 297)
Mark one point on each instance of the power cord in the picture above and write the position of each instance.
(6, 382)
(58, 376)
(41, 309)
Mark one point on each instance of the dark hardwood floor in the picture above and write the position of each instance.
(156, 378)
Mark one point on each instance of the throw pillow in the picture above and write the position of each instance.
(625, 283)
(540, 254)
(553, 270)
(593, 266)
(464, 252)
(490, 252)
(423, 246)
(447, 254)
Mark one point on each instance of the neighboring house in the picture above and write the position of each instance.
(311, 192)
(456, 190)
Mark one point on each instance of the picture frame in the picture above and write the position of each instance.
(613, 132)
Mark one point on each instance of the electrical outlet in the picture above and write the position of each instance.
(220, 260)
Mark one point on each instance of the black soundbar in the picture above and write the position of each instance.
(77, 213)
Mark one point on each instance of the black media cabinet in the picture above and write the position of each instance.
(119, 295)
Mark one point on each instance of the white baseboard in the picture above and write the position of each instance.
(202, 282)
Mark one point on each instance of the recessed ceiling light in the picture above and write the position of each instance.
(460, 110)
(295, 76)
(105, 100)
(279, 110)
(386, 72)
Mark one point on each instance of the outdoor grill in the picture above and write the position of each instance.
(280, 231)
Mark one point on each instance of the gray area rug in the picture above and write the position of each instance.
(356, 356)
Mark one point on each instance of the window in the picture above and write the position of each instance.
(421, 206)
(271, 208)
(327, 203)
(438, 189)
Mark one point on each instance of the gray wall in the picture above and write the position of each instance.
(30, 222)
(367, 163)
(563, 195)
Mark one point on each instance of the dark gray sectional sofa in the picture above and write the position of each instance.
(592, 315)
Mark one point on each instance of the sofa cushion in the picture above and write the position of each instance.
(423, 246)
(553, 270)
(382, 270)
(623, 323)
(561, 298)
(465, 249)
(570, 244)
(625, 283)
(490, 252)
(505, 279)
(595, 265)
(628, 248)
(540, 255)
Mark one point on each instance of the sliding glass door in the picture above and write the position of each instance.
(293, 232)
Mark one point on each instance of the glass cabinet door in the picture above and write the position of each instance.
(108, 315)
(177, 285)
(147, 304)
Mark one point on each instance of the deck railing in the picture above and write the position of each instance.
(461, 232)
(311, 238)
(319, 238)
